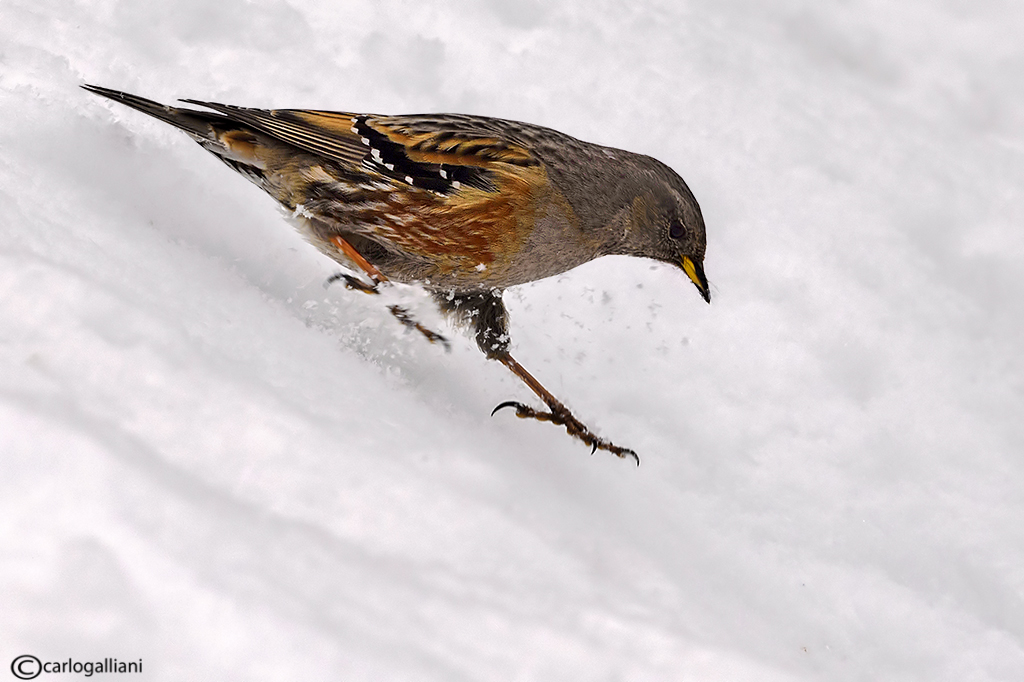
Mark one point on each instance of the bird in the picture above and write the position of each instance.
(465, 206)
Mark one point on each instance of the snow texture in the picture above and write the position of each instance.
(212, 463)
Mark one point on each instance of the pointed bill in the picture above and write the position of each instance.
(695, 271)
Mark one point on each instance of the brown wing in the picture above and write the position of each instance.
(448, 188)
(437, 152)
(324, 133)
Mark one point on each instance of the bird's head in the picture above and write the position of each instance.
(665, 223)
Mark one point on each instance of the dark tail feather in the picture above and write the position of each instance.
(191, 121)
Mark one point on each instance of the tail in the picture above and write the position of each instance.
(196, 123)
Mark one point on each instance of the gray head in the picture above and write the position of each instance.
(665, 222)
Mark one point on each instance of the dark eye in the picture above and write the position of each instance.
(676, 230)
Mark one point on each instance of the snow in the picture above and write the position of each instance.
(212, 463)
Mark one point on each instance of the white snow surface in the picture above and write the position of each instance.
(214, 464)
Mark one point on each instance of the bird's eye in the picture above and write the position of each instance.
(676, 230)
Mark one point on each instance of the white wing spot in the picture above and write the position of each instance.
(408, 178)
(389, 166)
(456, 184)
(365, 140)
(300, 210)
(443, 173)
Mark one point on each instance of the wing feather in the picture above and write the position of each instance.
(439, 152)
(320, 133)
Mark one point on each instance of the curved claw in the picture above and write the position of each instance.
(333, 278)
(351, 283)
(508, 403)
(560, 415)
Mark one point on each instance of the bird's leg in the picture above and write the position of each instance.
(377, 278)
(375, 275)
(353, 255)
(485, 312)
(557, 413)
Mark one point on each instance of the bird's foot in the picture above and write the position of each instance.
(560, 414)
(352, 283)
(407, 320)
(401, 314)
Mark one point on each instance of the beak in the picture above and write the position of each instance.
(695, 270)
